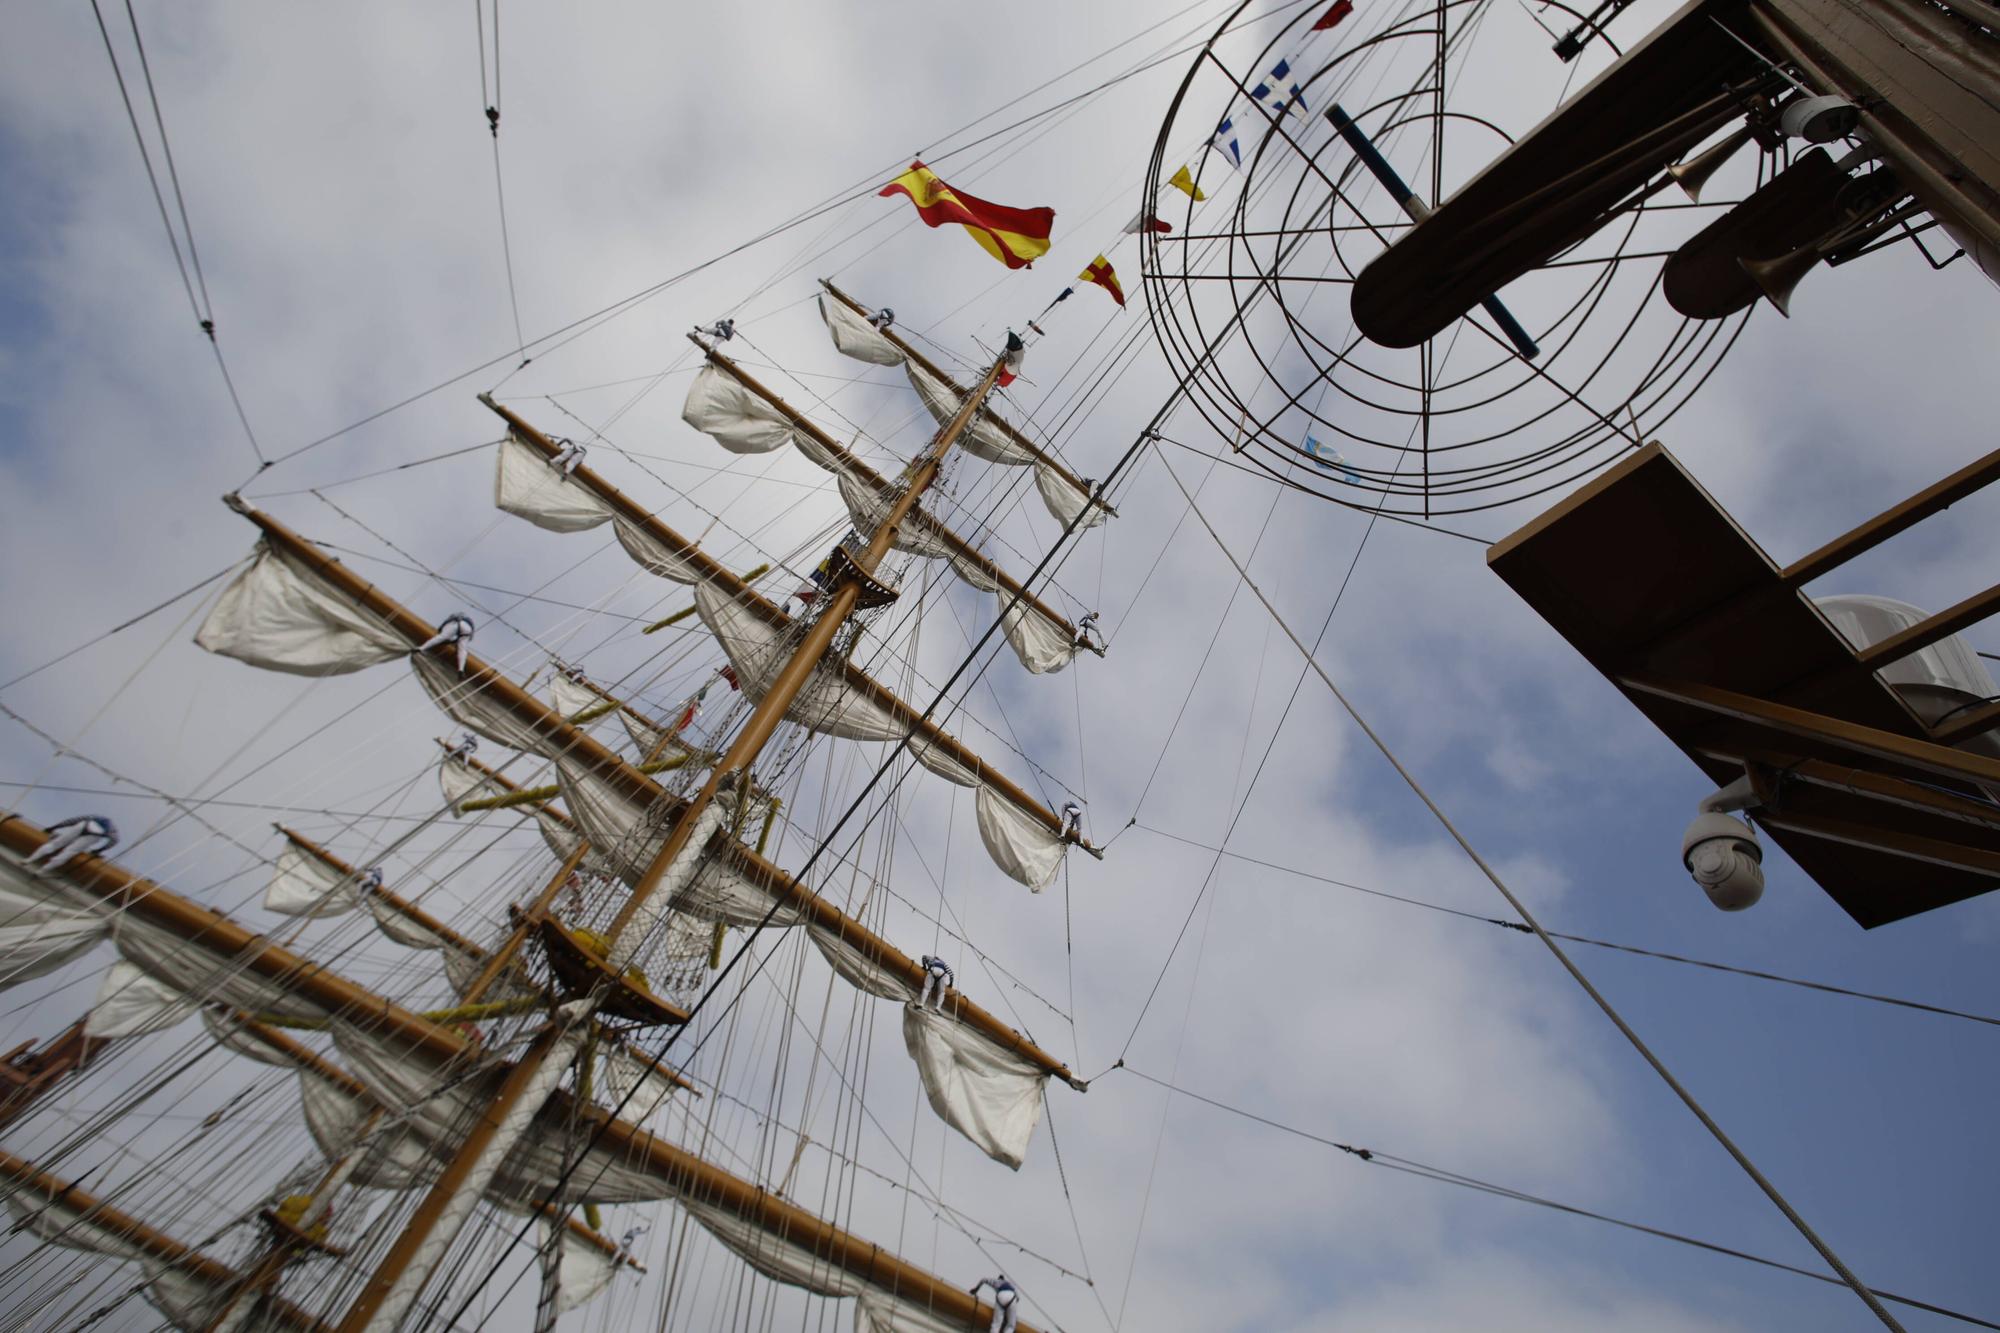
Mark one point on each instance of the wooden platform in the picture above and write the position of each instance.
(1647, 577)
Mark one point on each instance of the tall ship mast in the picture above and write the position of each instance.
(736, 924)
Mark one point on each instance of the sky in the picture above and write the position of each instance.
(339, 181)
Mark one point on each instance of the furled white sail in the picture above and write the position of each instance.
(984, 438)
(187, 1299)
(464, 700)
(578, 704)
(990, 1095)
(130, 1003)
(206, 972)
(40, 929)
(279, 615)
(526, 486)
(855, 336)
(1020, 842)
(738, 420)
(304, 885)
(583, 1271)
(1041, 643)
(829, 703)
(990, 440)
(784, 1260)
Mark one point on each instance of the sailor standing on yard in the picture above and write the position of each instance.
(69, 837)
(1006, 1303)
(456, 629)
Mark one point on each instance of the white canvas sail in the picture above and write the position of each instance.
(279, 615)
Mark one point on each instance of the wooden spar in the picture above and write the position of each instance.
(396, 903)
(832, 920)
(804, 661)
(312, 1061)
(120, 890)
(478, 676)
(882, 486)
(39, 1184)
(1041, 455)
(932, 735)
(699, 1182)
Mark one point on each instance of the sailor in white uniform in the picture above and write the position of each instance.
(568, 457)
(1072, 822)
(369, 883)
(1088, 635)
(1006, 1303)
(462, 751)
(937, 977)
(722, 330)
(456, 629)
(882, 319)
(72, 836)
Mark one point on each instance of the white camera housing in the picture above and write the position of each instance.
(1820, 119)
(1723, 855)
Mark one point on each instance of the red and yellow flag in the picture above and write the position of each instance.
(1101, 273)
(1017, 237)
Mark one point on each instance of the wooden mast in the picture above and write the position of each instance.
(532, 712)
(932, 735)
(874, 947)
(1041, 455)
(841, 601)
(882, 486)
(403, 1269)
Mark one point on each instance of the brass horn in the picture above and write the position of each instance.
(1694, 173)
(1779, 277)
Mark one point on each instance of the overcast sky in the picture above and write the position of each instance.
(339, 181)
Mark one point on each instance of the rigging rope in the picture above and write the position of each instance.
(1442, 1176)
(1866, 1295)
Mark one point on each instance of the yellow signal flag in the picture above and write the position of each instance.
(1184, 182)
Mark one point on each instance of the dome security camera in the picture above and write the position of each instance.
(1820, 119)
(1722, 853)
(1725, 858)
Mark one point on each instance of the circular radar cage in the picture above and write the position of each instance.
(1248, 289)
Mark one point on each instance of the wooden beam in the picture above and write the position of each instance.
(153, 1242)
(1898, 518)
(1850, 737)
(1930, 630)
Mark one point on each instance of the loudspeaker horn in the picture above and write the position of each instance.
(1692, 174)
(1779, 277)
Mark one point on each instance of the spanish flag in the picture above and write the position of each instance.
(1017, 237)
(1101, 273)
